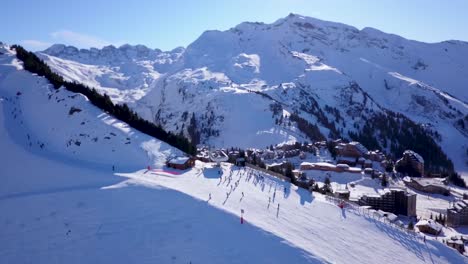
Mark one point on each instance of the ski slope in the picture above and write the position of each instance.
(67, 206)
(62, 213)
(64, 204)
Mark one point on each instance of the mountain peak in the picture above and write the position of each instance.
(310, 22)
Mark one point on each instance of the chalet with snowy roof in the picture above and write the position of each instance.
(394, 200)
(456, 243)
(429, 226)
(375, 155)
(342, 194)
(218, 156)
(391, 217)
(457, 215)
(181, 163)
(321, 144)
(323, 166)
(352, 149)
(203, 154)
(342, 167)
(411, 163)
(428, 185)
(277, 166)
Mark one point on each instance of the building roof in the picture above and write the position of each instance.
(218, 155)
(392, 217)
(414, 155)
(342, 191)
(459, 206)
(324, 164)
(321, 164)
(429, 223)
(359, 146)
(372, 195)
(343, 166)
(429, 182)
(179, 160)
(458, 241)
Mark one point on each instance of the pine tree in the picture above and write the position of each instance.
(316, 187)
(327, 181)
(288, 172)
(254, 159)
(384, 180)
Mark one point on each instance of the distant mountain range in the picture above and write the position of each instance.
(297, 79)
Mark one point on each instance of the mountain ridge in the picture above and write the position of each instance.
(309, 65)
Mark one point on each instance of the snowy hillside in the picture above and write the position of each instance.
(63, 124)
(330, 74)
(62, 203)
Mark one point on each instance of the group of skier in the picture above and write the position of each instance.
(232, 187)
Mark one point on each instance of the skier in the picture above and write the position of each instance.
(242, 194)
(113, 168)
(209, 197)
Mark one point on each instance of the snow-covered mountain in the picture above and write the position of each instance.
(74, 189)
(234, 86)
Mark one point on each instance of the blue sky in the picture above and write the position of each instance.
(168, 24)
